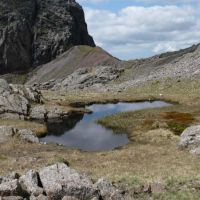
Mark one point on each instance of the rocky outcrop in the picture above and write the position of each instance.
(190, 139)
(15, 100)
(58, 182)
(49, 113)
(7, 132)
(85, 78)
(33, 32)
(75, 58)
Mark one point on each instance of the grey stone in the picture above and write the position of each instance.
(190, 138)
(6, 132)
(31, 93)
(12, 198)
(69, 198)
(40, 197)
(28, 135)
(10, 188)
(88, 78)
(108, 191)
(30, 183)
(59, 180)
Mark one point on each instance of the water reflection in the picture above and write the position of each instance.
(83, 133)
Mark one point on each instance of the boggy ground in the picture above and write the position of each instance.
(152, 154)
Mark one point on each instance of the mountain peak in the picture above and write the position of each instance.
(35, 32)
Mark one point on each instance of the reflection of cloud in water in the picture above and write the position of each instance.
(89, 136)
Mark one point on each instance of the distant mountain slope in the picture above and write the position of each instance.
(73, 59)
(182, 63)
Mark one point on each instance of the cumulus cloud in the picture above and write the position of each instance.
(138, 31)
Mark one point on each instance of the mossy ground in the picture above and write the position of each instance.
(152, 154)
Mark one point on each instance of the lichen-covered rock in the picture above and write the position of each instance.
(40, 197)
(30, 183)
(28, 135)
(59, 180)
(12, 198)
(10, 188)
(34, 32)
(108, 191)
(87, 78)
(29, 92)
(6, 132)
(12, 104)
(190, 138)
(48, 113)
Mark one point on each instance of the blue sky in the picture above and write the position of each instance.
(131, 29)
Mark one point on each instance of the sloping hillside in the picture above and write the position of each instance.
(73, 59)
(184, 63)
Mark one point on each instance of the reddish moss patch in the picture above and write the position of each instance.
(177, 121)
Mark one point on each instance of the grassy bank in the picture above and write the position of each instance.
(152, 154)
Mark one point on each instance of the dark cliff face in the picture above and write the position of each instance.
(34, 32)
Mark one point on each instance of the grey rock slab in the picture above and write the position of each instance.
(28, 135)
(108, 191)
(6, 132)
(59, 180)
(40, 197)
(190, 138)
(30, 183)
(10, 188)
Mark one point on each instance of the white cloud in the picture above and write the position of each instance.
(143, 31)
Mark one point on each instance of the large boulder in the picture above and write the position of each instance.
(12, 104)
(30, 183)
(10, 188)
(48, 113)
(34, 32)
(7, 132)
(29, 92)
(190, 139)
(59, 180)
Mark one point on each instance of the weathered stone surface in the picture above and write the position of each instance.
(40, 197)
(6, 132)
(9, 177)
(48, 113)
(10, 188)
(12, 103)
(108, 191)
(59, 180)
(87, 78)
(34, 32)
(30, 183)
(69, 198)
(28, 135)
(12, 198)
(190, 138)
(31, 93)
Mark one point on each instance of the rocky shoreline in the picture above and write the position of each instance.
(57, 182)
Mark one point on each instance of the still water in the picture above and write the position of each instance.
(84, 133)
